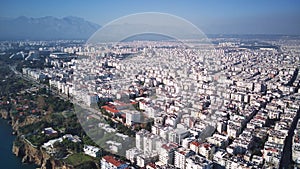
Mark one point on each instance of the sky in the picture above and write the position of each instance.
(211, 16)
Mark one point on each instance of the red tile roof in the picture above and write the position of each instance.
(112, 160)
(182, 152)
(169, 146)
(271, 149)
(206, 145)
(109, 109)
(196, 143)
(152, 165)
(123, 115)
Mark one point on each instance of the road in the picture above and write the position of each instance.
(286, 158)
(64, 97)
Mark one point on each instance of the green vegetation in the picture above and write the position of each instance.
(87, 164)
(101, 103)
(149, 124)
(104, 112)
(39, 139)
(125, 130)
(10, 84)
(79, 158)
(36, 64)
(137, 107)
(88, 141)
(39, 108)
(18, 142)
(256, 145)
(33, 128)
(51, 103)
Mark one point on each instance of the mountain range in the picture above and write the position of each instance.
(46, 28)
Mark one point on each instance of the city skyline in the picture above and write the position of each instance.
(213, 17)
(130, 84)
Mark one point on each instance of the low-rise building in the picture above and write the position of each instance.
(110, 162)
(91, 150)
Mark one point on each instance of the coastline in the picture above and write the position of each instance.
(8, 158)
(22, 154)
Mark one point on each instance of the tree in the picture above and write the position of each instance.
(50, 109)
(41, 102)
(149, 125)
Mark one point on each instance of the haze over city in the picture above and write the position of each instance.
(136, 84)
(212, 17)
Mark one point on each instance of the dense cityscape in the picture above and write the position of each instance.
(132, 84)
(231, 103)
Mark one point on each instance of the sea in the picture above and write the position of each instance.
(7, 159)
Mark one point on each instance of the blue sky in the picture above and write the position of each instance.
(211, 16)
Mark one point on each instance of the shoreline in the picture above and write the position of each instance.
(27, 154)
(11, 160)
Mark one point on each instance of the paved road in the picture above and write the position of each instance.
(27, 78)
(64, 97)
(286, 158)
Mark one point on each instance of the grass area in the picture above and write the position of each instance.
(36, 140)
(39, 139)
(79, 158)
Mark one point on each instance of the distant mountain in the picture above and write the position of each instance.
(46, 28)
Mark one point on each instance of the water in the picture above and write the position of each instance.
(7, 159)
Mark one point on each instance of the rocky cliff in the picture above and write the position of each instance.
(30, 154)
(16, 124)
(4, 114)
(27, 152)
